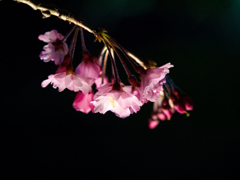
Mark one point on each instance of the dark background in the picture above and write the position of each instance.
(44, 137)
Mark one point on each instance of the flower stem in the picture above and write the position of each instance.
(100, 57)
(116, 75)
(127, 53)
(136, 67)
(82, 39)
(73, 45)
(68, 34)
(123, 63)
(104, 66)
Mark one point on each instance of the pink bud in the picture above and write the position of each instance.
(152, 123)
(82, 102)
(187, 102)
(162, 116)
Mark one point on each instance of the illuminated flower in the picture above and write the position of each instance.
(152, 82)
(121, 102)
(56, 49)
(82, 102)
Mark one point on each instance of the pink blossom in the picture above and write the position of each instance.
(89, 66)
(152, 82)
(82, 102)
(70, 81)
(56, 49)
(121, 102)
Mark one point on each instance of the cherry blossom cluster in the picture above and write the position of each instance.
(94, 90)
(97, 92)
(171, 99)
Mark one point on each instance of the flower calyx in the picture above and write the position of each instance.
(101, 35)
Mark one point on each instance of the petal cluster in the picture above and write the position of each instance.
(82, 102)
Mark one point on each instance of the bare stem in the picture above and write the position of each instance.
(116, 76)
(68, 34)
(123, 63)
(137, 60)
(82, 39)
(47, 12)
(100, 57)
(104, 66)
(73, 45)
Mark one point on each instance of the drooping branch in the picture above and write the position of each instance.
(49, 11)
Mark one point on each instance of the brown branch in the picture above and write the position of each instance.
(48, 11)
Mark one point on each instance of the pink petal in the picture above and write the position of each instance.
(82, 102)
(45, 83)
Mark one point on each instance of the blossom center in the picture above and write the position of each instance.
(112, 101)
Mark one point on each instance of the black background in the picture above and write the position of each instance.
(44, 137)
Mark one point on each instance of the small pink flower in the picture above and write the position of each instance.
(70, 81)
(82, 102)
(89, 66)
(152, 82)
(121, 102)
(56, 49)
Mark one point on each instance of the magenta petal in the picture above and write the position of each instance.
(82, 102)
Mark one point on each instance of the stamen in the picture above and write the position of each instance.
(112, 101)
(187, 114)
